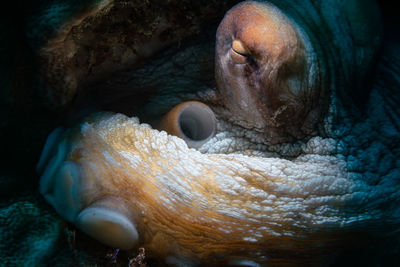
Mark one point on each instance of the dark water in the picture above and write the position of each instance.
(31, 233)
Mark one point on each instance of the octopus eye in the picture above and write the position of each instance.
(238, 52)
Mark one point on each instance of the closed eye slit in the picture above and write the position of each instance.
(238, 52)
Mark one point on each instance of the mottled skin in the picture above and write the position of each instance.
(288, 67)
(78, 44)
(229, 207)
(263, 74)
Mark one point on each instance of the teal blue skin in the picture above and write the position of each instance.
(32, 233)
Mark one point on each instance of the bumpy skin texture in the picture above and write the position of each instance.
(240, 199)
(78, 44)
(271, 82)
(292, 59)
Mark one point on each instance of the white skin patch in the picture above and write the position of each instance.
(310, 190)
(250, 195)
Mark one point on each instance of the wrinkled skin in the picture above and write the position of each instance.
(294, 201)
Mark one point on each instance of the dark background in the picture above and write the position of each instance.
(18, 145)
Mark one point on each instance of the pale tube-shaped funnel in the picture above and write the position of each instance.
(192, 121)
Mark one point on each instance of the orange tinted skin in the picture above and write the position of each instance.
(259, 55)
(174, 222)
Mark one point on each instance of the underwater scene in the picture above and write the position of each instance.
(200, 133)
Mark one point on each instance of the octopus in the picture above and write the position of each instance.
(287, 154)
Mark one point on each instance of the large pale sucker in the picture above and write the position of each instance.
(134, 181)
(271, 174)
